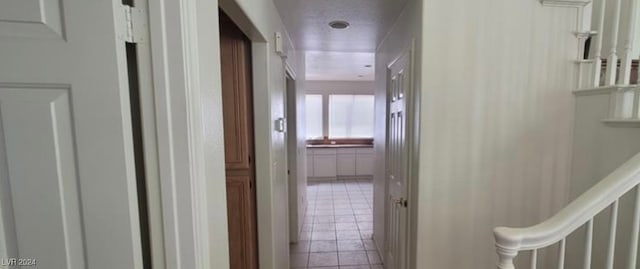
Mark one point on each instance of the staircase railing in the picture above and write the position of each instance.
(607, 193)
(616, 68)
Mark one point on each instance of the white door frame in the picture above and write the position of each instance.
(186, 77)
(188, 116)
(291, 151)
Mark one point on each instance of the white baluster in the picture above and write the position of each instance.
(597, 69)
(612, 60)
(534, 259)
(588, 245)
(625, 63)
(612, 235)
(561, 251)
(635, 229)
(635, 112)
(506, 257)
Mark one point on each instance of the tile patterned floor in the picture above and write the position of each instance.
(337, 232)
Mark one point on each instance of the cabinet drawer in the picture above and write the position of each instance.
(365, 151)
(347, 151)
(324, 151)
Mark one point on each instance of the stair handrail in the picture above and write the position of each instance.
(510, 241)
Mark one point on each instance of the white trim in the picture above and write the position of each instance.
(289, 70)
(623, 123)
(601, 90)
(565, 3)
(193, 199)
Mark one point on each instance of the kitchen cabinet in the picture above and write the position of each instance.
(333, 163)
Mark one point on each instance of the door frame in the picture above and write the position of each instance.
(186, 79)
(185, 63)
(291, 151)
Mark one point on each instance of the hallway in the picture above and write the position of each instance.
(338, 228)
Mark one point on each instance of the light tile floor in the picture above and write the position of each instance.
(337, 232)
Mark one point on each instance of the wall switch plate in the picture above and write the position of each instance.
(279, 45)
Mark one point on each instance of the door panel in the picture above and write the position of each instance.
(239, 206)
(36, 129)
(235, 53)
(68, 185)
(32, 18)
(398, 85)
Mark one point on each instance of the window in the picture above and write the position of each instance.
(314, 116)
(351, 116)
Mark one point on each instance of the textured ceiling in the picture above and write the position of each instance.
(340, 66)
(307, 23)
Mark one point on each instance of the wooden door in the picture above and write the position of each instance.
(68, 195)
(235, 51)
(398, 85)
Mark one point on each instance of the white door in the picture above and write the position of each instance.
(67, 172)
(398, 82)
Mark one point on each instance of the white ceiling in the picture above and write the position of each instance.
(325, 65)
(338, 54)
(307, 23)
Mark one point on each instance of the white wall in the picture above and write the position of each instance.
(496, 123)
(259, 19)
(599, 149)
(405, 30)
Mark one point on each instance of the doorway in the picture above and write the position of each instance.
(237, 96)
(296, 178)
(398, 91)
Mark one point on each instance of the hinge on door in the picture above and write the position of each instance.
(134, 27)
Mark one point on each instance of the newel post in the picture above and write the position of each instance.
(507, 246)
(505, 257)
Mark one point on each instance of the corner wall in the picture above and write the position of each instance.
(496, 124)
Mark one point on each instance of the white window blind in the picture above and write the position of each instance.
(351, 116)
(314, 116)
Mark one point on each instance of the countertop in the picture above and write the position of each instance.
(321, 146)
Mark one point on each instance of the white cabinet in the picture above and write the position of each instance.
(324, 166)
(310, 163)
(346, 164)
(365, 164)
(340, 162)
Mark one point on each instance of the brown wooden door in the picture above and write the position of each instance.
(235, 53)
